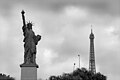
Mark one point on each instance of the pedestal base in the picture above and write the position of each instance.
(28, 73)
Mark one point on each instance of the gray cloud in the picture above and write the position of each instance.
(102, 6)
(109, 7)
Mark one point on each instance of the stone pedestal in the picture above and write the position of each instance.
(29, 71)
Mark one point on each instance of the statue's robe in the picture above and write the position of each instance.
(29, 46)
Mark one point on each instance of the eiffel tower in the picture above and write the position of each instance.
(92, 67)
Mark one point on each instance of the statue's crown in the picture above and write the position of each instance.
(30, 23)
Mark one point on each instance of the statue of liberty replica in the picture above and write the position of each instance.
(29, 67)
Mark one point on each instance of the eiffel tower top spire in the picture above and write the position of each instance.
(91, 35)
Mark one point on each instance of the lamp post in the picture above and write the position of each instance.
(79, 60)
(74, 67)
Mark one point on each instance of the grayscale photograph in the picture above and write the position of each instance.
(59, 39)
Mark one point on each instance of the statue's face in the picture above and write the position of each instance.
(29, 27)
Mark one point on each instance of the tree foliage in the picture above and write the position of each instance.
(79, 74)
(5, 77)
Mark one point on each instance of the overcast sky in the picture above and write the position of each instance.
(65, 27)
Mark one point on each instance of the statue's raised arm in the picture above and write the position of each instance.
(24, 24)
(23, 17)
